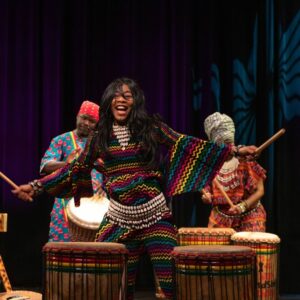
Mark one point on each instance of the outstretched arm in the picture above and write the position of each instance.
(72, 180)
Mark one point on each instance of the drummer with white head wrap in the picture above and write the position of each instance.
(242, 180)
(219, 128)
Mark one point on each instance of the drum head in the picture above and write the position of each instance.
(210, 249)
(255, 237)
(105, 247)
(206, 230)
(20, 295)
(90, 212)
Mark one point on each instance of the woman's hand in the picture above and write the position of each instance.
(24, 192)
(239, 208)
(206, 197)
(246, 150)
(235, 210)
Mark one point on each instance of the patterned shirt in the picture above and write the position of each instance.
(239, 180)
(61, 147)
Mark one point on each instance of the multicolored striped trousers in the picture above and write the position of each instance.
(158, 241)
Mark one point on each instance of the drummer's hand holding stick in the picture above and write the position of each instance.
(253, 151)
(27, 192)
(24, 192)
(234, 209)
(244, 151)
(206, 196)
(207, 199)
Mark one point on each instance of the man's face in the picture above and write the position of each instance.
(84, 124)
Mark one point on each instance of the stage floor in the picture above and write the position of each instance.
(148, 294)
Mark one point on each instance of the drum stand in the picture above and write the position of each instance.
(9, 293)
(3, 274)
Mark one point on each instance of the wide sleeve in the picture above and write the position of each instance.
(74, 179)
(192, 162)
(53, 153)
(255, 172)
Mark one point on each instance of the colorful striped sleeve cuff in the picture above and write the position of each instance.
(193, 164)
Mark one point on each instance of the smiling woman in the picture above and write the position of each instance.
(121, 104)
(127, 143)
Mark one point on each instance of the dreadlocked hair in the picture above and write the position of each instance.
(141, 125)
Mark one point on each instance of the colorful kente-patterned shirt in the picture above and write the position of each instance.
(59, 150)
(239, 179)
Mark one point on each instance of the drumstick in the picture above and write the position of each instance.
(223, 193)
(270, 140)
(3, 222)
(5, 178)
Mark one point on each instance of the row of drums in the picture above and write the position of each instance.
(209, 263)
(219, 263)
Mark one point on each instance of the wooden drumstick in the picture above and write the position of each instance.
(223, 192)
(3, 222)
(4, 277)
(270, 140)
(5, 178)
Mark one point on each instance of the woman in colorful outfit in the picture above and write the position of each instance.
(241, 179)
(127, 142)
(62, 150)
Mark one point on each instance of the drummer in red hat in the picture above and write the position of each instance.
(64, 148)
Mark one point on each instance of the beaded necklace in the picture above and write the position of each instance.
(229, 166)
(227, 175)
(123, 135)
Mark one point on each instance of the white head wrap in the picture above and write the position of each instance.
(219, 128)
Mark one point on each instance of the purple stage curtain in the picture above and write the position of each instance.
(191, 57)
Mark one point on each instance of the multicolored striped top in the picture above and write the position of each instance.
(192, 163)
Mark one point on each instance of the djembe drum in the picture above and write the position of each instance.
(204, 236)
(266, 246)
(20, 295)
(214, 272)
(84, 270)
(84, 220)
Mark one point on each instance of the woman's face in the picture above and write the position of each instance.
(121, 105)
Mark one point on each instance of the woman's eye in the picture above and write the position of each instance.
(127, 96)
